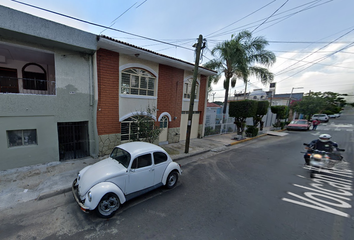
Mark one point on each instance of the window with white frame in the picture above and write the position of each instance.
(187, 89)
(135, 128)
(22, 137)
(136, 81)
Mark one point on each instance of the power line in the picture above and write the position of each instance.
(283, 70)
(114, 21)
(270, 16)
(101, 26)
(317, 63)
(319, 60)
(312, 5)
(255, 23)
(242, 18)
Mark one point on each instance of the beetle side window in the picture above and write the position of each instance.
(142, 161)
(159, 157)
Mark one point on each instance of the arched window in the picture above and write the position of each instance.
(164, 122)
(136, 128)
(187, 89)
(138, 81)
(34, 77)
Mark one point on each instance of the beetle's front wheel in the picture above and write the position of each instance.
(172, 180)
(108, 205)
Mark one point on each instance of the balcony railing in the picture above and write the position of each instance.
(26, 86)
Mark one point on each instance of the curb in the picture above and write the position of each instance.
(190, 155)
(43, 196)
(248, 139)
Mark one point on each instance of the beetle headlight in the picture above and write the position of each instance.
(78, 176)
(89, 196)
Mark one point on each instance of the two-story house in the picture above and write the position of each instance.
(132, 79)
(47, 102)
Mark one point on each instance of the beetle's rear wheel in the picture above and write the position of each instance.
(108, 205)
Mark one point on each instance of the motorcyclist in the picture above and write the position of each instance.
(323, 143)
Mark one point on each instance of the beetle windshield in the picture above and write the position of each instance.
(121, 156)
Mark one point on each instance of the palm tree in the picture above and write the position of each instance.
(236, 59)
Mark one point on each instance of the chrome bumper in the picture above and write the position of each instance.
(74, 189)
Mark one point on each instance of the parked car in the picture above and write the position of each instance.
(321, 117)
(132, 169)
(299, 124)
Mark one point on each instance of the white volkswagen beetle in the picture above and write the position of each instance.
(131, 170)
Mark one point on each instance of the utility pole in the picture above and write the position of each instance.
(213, 95)
(191, 103)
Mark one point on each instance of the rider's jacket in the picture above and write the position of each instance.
(323, 146)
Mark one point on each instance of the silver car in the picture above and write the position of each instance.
(321, 117)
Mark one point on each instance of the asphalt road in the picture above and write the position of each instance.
(256, 190)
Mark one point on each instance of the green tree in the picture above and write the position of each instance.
(145, 129)
(281, 112)
(262, 110)
(241, 110)
(318, 102)
(239, 58)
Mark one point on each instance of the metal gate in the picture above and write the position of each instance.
(73, 140)
(214, 124)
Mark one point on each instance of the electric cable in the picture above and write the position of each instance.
(255, 23)
(270, 16)
(241, 18)
(101, 26)
(318, 60)
(283, 70)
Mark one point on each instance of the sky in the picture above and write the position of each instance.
(313, 40)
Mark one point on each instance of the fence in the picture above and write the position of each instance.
(26, 86)
(214, 123)
(218, 124)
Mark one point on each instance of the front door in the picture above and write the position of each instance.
(73, 140)
(164, 129)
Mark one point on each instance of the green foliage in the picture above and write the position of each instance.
(241, 110)
(317, 102)
(262, 110)
(251, 131)
(145, 129)
(282, 113)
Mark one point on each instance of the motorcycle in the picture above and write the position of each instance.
(322, 160)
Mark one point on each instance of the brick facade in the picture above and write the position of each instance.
(170, 93)
(108, 87)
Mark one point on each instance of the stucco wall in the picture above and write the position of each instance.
(134, 103)
(73, 102)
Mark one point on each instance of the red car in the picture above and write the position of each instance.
(299, 124)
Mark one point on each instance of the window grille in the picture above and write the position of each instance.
(130, 128)
(137, 81)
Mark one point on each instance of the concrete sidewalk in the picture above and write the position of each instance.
(43, 181)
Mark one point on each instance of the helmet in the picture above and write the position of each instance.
(324, 137)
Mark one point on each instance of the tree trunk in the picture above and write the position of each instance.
(226, 94)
